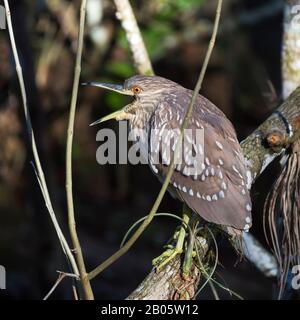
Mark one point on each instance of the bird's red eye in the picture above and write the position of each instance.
(136, 89)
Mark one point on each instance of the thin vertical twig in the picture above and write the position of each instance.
(37, 164)
(88, 293)
(165, 185)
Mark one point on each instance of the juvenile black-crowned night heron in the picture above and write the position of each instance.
(211, 179)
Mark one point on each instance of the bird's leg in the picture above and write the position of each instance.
(188, 257)
(172, 252)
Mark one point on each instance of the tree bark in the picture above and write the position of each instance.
(291, 47)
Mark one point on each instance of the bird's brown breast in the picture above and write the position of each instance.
(211, 178)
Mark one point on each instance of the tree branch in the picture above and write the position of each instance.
(133, 34)
(290, 66)
(273, 136)
(259, 256)
(69, 189)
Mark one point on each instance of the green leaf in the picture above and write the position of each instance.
(115, 101)
(120, 69)
(155, 35)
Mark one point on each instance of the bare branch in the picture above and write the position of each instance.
(259, 256)
(61, 276)
(69, 189)
(140, 55)
(290, 48)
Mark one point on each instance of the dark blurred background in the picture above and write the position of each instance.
(243, 79)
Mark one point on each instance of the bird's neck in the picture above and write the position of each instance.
(141, 117)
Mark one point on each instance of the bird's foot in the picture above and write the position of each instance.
(171, 252)
(161, 261)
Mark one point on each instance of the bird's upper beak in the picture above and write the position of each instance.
(112, 87)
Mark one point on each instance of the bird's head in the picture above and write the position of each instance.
(146, 90)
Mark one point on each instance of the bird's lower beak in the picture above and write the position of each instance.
(118, 115)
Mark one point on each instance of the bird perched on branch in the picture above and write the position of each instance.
(211, 178)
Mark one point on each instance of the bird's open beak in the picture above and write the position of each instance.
(112, 87)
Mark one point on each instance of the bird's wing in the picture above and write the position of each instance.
(211, 178)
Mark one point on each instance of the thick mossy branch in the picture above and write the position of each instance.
(273, 136)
